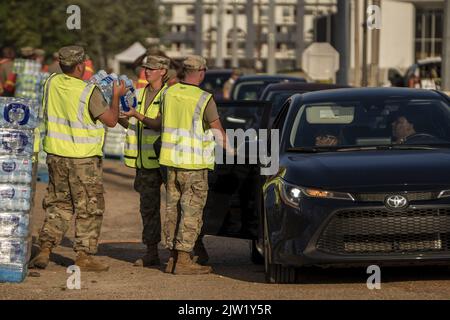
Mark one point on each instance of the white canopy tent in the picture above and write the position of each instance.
(129, 55)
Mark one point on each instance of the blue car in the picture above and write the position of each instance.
(363, 178)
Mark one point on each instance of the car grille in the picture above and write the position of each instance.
(411, 196)
(381, 231)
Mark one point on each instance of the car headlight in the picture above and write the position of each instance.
(444, 194)
(292, 194)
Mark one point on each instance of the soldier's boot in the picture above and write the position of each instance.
(88, 263)
(151, 258)
(200, 254)
(42, 259)
(170, 262)
(184, 265)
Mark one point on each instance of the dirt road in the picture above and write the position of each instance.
(235, 277)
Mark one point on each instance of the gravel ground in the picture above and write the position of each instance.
(234, 277)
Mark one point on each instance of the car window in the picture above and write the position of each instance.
(278, 98)
(371, 123)
(242, 115)
(248, 90)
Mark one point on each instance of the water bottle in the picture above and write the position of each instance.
(18, 113)
(15, 169)
(15, 142)
(13, 252)
(96, 78)
(129, 100)
(14, 197)
(14, 224)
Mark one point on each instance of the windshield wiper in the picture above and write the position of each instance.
(312, 149)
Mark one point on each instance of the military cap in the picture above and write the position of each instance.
(71, 55)
(39, 52)
(55, 55)
(194, 62)
(26, 51)
(156, 62)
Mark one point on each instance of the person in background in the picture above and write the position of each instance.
(54, 66)
(235, 74)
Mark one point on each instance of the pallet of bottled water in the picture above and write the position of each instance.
(18, 119)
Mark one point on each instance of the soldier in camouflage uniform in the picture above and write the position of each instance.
(140, 153)
(188, 113)
(74, 139)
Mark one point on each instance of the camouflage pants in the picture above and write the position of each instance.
(148, 184)
(75, 188)
(187, 191)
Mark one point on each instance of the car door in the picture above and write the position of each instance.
(230, 209)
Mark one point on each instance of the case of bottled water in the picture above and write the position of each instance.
(15, 197)
(14, 169)
(14, 255)
(19, 113)
(16, 142)
(14, 224)
(105, 82)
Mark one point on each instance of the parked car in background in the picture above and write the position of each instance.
(425, 74)
(278, 93)
(364, 178)
(214, 81)
(250, 87)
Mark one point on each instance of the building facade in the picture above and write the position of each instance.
(410, 30)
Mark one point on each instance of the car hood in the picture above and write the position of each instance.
(388, 170)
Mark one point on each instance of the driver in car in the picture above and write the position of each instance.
(403, 127)
(325, 139)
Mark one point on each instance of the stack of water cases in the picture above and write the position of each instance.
(18, 119)
(29, 84)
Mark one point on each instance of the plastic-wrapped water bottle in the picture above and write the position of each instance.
(129, 100)
(15, 197)
(19, 113)
(13, 252)
(96, 78)
(14, 224)
(15, 142)
(15, 169)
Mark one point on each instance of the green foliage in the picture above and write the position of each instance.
(107, 26)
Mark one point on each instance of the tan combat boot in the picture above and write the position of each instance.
(185, 265)
(87, 263)
(42, 259)
(170, 263)
(151, 258)
(200, 253)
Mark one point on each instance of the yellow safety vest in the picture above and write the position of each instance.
(185, 143)
(139, 142)
(70, 130)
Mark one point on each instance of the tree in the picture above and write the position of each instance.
(107, 26)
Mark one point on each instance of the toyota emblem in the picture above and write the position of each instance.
(396, 202)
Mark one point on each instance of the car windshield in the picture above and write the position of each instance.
(368, 124)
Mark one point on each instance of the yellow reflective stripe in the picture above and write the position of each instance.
(74, 139)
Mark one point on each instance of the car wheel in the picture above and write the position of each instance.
(276, 273)
(256, 256)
